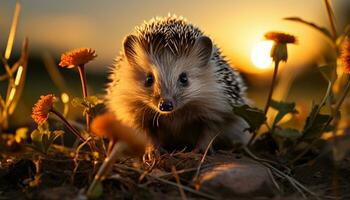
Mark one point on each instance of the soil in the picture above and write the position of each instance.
(29, 175)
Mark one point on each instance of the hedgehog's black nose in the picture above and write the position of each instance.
(166, 105)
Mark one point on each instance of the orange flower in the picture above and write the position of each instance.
(281, 38)
(279, 49)
(345, 55)
(42, 108)
(77, 57)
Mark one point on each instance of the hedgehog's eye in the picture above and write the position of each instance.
(183, 79)
(149, 80)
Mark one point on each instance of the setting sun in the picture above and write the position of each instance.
(260, 55)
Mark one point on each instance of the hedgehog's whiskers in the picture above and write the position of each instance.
(158, 119)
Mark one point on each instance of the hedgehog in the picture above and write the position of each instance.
(172, 83)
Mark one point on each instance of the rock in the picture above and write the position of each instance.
(243, 178)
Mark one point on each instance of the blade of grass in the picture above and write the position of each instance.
(23, 62)
(177, 178)
(331, 18)
(13, 29)
(296, 184)
(106, 167)
(195, 178)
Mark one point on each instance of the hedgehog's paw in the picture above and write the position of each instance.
(202, 149)
(204, 144)
(151, 155)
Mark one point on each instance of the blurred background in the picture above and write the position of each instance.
(236, 26)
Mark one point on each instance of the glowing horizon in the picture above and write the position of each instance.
(236, 30)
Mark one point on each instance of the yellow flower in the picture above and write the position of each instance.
(279, 49)
(42, 108)
(77, 57)
(345, 55)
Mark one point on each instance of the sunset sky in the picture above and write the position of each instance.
(236, 26)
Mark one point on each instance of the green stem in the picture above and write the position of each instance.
(69, 126)
(273, 83)
(323, 101)
(74, 130)
(85, 93)
(83, 80)
(346, 91)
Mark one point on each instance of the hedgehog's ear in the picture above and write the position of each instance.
(129, 48)
(202, 49)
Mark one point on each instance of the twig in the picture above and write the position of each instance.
(298, 186)
(272, 162)
(106, 166)
(188, 189)
(182, 193)
(195, 178)
(187, 170)
(76, 157)
(273, 180)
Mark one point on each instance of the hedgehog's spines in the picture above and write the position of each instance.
(177, 35)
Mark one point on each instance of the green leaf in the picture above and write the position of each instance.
(315, 118)
(44, 127)
(316, 124)
(90, 105)
(43, 138)
(50, 138)
(283, 108)
(88, 102)
(253, 116)
(36, 137)
(78, 102)
(93, 100)
(54, 135)
(288, 133)
(323, 30)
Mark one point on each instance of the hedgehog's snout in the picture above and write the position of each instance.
(166, 105)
